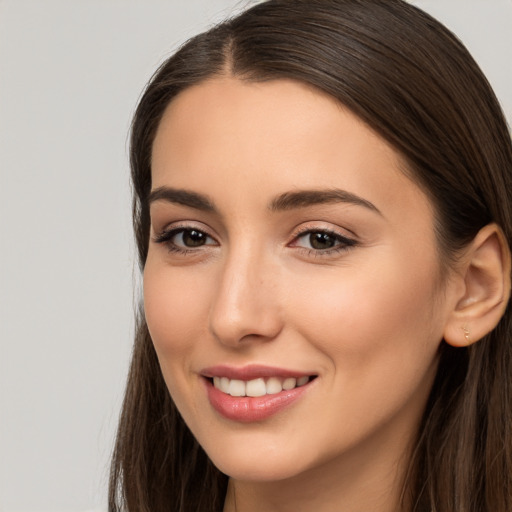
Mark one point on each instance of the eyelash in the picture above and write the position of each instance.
(343, 243)
(166, 238)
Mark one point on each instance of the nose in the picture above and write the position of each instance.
(245, 306)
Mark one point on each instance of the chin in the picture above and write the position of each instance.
(262, 465)
(267, 472)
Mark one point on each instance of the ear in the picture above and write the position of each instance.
(485, 270)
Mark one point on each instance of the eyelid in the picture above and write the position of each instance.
(183, 226)
(324, 227)
(172, 232)
(345, 242)
(165, 237)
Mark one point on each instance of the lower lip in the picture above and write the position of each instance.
(247, 409)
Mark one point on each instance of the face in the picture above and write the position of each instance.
(292, 287)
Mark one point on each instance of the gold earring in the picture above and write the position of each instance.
(466, 334)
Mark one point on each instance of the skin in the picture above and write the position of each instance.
(367, 319)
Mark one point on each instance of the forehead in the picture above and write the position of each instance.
(274, 136)
(238, 108)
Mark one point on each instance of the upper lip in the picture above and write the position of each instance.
(250, 372)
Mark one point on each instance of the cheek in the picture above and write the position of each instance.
(174, 301)
(372, 318)
(375, 332)
(175, 305)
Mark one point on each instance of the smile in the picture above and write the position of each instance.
(258, 387)
(254, 393)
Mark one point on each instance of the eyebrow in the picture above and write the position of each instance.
(283, 202)
(304, 198)
(183, 197)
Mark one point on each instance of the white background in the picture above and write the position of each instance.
(70, 74)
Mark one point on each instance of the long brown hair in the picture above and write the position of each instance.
(413, 82)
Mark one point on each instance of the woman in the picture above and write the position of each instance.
(322, 217)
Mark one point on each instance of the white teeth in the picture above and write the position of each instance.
(224, 385)
(289, 383)
(258, 387)
(236, 388)
(302, 380)
(274, 386)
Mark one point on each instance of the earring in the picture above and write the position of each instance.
(466, 334)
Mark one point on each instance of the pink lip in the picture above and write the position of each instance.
(251, 409)
(249, 372)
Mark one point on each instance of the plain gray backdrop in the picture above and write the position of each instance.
(70, 75)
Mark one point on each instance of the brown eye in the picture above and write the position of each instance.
(184, 239)
(321, 241)
(190, 238)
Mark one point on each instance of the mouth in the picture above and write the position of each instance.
(254, 393)
(260, 386)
